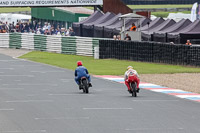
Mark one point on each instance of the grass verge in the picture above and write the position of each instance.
(165, 14)
(14, 9)
(158, 6)
(106, 66)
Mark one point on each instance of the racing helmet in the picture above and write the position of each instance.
(79, 63)
(129, 67)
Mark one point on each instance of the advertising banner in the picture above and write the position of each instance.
(194, 12)
(26, 3)
(198, 12)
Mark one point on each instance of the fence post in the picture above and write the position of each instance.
(96, 52)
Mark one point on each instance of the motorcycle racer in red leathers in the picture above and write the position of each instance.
(131, 71)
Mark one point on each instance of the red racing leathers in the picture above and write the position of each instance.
(131, 76)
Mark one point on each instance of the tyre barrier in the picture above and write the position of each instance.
(150, 52)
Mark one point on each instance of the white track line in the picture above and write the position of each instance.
(107, 108)
(27, 84)
(47, 71)
(188, 96)
(6, 68)
(163, 90)
(155, 100)
(26, 65)
(4, 109)
(17, 75)
(9, 60)
(63, 118)
(30, 131)
(28, 101)
(11, 88)
(148, 129)
(70, 94)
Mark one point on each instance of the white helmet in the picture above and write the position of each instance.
(129, 67)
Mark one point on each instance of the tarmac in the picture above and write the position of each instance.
(39, 98)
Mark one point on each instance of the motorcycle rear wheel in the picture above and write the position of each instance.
(133, 89)
(85, 88)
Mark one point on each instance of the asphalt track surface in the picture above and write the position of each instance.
(38, 98)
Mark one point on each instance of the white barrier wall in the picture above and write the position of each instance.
(27, 41)
(54, 44)
(84, 46)
(4, 40)
(59, 44)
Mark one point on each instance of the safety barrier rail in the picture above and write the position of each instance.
(51, 43)
(150, 52)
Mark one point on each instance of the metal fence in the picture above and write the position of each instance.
(150, 52)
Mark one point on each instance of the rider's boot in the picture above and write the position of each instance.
(138, 90)
(80, 87)
(90, 85)
(129, 91)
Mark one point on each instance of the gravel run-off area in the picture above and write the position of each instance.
(183, 81)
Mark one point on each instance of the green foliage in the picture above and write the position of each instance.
(106, 66)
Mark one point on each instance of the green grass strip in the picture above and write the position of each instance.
(158, 6)
(165, 14)
(14, 9)
(106, 66)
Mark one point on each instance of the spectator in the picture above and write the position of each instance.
(35, 27)
(72, 33)
(63, 31)
(115, 37)
(13, 27)
(188, 42)
(17, 27)
(39, 30)
(27, 28)
(52, 31)
(49, 27)
(58, 31)
(21, 27)
(127, 38)
(133, 28)
(45, 26)
(66, 32)
(118, 37)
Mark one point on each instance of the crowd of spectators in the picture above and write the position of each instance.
(36, 28)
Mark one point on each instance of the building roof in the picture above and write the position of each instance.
(81, 10)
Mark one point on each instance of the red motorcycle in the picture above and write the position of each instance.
(132, 80)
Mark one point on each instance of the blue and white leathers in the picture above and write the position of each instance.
(80, 72)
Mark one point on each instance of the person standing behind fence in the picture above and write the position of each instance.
(71, 32)
(118, 37)
(127, 38)
(114, 37)
(133, 28)
(188, 43)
